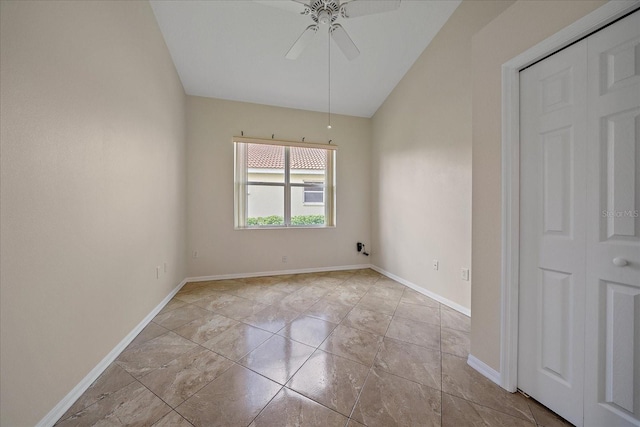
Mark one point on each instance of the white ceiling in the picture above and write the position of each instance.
(235, 50)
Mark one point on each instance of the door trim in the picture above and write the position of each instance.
(510, 258)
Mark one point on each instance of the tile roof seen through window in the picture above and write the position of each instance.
(262, 156)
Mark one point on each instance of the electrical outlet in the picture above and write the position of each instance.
(157, 272)
(465, 274)
(284, 259)
(436, 264)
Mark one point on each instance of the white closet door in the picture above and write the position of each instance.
(612, 347)
(553, 95)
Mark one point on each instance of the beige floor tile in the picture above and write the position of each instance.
(419, 333)
(237, 341)
(418, 313)
(172, 305)
(188, 287)
(454, 320)
(460, 380)
(182, 377)
(288, 285)
(271, 296)
(271, 318)
(387, 400)
(353, 344)
(110, 381)
(233, 399)
(381, 305)
(249, 291)
(389, 352)
(412, 297)
(454, 342)
(367, 320)
(354, 285)
(326, 282)
(545, 417)
(344, 296)
(205, 328)
(389, 283)
(362, 279)
(146, 357)
(151, 331)
(459, 412)
(333, 381)
(308, 330)
(298, 301)
(217, 301)
(180, 316)
(262, 280)
(411, 362)
(242, 309)
(289, 408)
(223, 285)
(172, 419)
(328, 310)
(131, 405)
(391, 294)
(195, 294)
(277, 358)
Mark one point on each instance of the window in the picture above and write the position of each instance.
(314, 193)
(284, 184)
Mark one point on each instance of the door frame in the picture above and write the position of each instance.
(510, 268)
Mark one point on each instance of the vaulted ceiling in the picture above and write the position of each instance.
(235, 50)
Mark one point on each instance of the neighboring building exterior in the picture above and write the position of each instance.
(266, 164)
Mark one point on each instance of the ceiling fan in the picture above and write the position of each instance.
(326, 12)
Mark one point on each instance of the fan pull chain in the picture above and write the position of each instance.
(329, 82)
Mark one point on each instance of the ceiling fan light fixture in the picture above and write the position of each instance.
(324, 17)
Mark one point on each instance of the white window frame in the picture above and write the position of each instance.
(241, 182)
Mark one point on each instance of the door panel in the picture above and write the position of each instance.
(579, 328)
(552, 251)
(612, 349)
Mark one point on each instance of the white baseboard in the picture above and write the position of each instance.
(425, 292)
(276, 273)
(54, 415)
(485, 369)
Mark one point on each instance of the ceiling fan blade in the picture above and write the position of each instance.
(302, 42)
(356, 8)
(344, 42)
(296, 6)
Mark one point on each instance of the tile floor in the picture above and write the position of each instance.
(345, 348)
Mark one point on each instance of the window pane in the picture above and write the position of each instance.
(265, 205)
(308, 164)
(265, 163)
(303, 213)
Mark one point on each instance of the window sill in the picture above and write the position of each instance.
(293, 227)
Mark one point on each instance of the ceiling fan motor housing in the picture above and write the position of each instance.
(324, 12)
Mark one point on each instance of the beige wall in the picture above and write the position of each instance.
(523, 25)
(422, 162)
(92, 192)
(212, 123)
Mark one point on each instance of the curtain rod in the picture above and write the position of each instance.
(253, 140)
